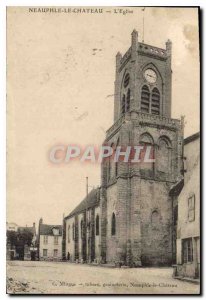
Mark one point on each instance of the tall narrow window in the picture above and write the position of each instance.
(45, 239)
(111, 164)
(155, 107)
(116, 163)
(97, 225)
(187, 250)
(128, 100)
(113, 228)
(56, 240)
(145, 99)
(146, 140)
(163, 157)
(73, 232)
(126, 80)
(123, 104)
(82, 228)
(109, 169)
(68, 234)
(155, 217)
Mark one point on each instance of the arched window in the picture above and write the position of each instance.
(116, 163)
(73, 231)
(68, 234)
(128, 100)
(155, 217)
(147, 142)
(164, 155)
(155, 105)
(126, 80)
(111, 167)
(82, 228)
(113, 227)
(123, 104)
(97, 225)
(145, 99)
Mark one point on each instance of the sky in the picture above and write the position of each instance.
(59, 92)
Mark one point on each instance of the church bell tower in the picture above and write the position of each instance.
(136, 210)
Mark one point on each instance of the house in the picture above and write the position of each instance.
(188, 212)
(49, 241)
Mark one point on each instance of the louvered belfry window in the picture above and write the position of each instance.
(128, 100)
(155, 107)
(123, 104)
(145, 99)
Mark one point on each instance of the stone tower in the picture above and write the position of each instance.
(136, 210)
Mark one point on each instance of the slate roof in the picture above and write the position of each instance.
(176, 188)
(46, 229)
(191, 138)
(88, 202)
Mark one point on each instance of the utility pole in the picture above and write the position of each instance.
(86, 223)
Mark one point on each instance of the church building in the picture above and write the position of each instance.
(129, 219)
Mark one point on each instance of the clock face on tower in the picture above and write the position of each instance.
(150, 76)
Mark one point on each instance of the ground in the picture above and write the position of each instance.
(66, 278)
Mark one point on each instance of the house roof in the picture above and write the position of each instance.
(90, 201)
(176, 188)
(191, 138)
(26, 228)
(45, 229)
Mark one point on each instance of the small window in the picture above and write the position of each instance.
(187, 250)
(82, 229)
(45, 252)
(68, 234)
(56, 240)
(97, 225)
(55, 252)
(155, 217)
(45, 239)
(191, 208)
(73, 232)
(113, 228)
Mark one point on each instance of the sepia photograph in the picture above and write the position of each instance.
(103, 150)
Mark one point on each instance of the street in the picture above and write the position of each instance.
(37, 277)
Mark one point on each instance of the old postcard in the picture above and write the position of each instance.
(103, 150)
